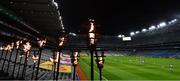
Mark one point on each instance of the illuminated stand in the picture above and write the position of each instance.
(100, 61)
(74, 59)
(41, 43)
(92, 45)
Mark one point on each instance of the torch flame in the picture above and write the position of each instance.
(35, 58)
(91, 33)
(92, 27)
(61, 41)
(41, 42)
(27, 47)
(18, 44)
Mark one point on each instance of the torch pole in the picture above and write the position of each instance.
(92, 64)
(2, 52)
(19, 67)
(17, 51)
(39, 59)
(100, 74)
(58, 64)
(9, 60)
(4, 60)
(34, 64)
(25, 64)
(74, 73)
(54, 74)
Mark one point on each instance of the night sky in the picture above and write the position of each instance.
(115, 17)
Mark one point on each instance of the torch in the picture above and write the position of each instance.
(35, 59)
(74, 59)
(100, 62)
(26, 49)
(2, 52)
(8, 48)
(18, 43)
(92, 45)
(9, 60)
(61, 43)
(41, 43)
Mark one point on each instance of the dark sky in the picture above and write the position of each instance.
(115, 17)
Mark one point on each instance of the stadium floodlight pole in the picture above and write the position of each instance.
(74, 59)
(18, 43)
(26, 49)
(34, 58)
(41, 43)
(9, 60)
(100, 61)
(92, 45)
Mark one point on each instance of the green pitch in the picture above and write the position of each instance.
(134, 68)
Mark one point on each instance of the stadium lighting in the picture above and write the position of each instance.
(132, 33)
(137, 32)
(120, 36)
(144, 30)
(152, 27)
(73, 34)
(173, 21)
(162, 24)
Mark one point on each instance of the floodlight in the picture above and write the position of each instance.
(132, 33)
(137, 32)
(162, 24)
(144, 30)
(152, 27)
(120, 36)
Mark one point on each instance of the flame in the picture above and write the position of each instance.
(27, 47)
(56, 59)
(18, 44)
(41, 42)
(76, 54)
(35, 58)
(100, 60)
(9, 47)
(91, 33)
(92, 27)
(61, 41)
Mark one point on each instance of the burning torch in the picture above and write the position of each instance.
(18, 43)
(41, 43)
(74, 59)
(92, 45)
(26, 49)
